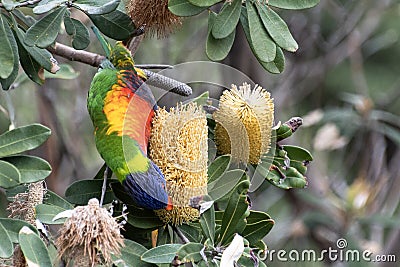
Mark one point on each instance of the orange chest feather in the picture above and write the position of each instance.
(128, 114)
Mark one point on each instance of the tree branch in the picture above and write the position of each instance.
(72, 54)
(134, 44)
(95, 60)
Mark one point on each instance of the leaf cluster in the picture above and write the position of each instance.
(266, 32)
(18, 169)
(25, 39)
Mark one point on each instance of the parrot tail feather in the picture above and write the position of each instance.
(148, 189)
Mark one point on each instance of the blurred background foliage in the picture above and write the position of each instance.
(343, 81)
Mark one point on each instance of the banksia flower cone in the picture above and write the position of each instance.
(23, 207)
(154, 15)
(89, 236)
(244, 122)
(178, 145)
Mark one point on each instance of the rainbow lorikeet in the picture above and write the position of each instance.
(122, 107)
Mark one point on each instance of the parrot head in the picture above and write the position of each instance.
(121, 58)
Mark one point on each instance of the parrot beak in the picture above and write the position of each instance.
(169, 205)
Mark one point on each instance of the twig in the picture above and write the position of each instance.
(135, 43)
(72, 54)
(104, 187)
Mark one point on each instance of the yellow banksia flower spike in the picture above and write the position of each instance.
(154, 15)
(244, 122)
(89, 236)
(178, 145)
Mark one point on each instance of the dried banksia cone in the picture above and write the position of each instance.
(244, 122)
(89, 236)
(178, 145)
(23, 205)
(154, 15)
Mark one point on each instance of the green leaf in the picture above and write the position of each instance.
(264, 47)
(79, 32)
(6, 83)
(293, 182)
(200, 100)
(297, 153)
(52, 198)
(219, 214)
(183, 8)
(276, 66)
(224, 184)
(391, 132)
(161, 254)
(80, 192)
(285, 178)
(284, 131)
(96, 7)
(47, 5)
(301, 167)
(66, 72)
(190, 252)
(277, 28)
(13, 191)
(207, 222)
(13, 227)
(6, 245)
(31, 67)
(226, 20)
(218, 49)
(218, 167)
(32, 169)
(22, 139)
(163, 236)
(192, 233)
(293, 4)
(26, 19)
(130, 255)
(34, 249)
(143, 219)
(9, 4)
(11, 80)
(43, 57)
(204, 3)
(100, 174)
(44, 32)
(9, 175)
(235, 213)
(256, 216)
(256, 231)
(116, 25)
(8, 54)
(69, 25)
(45, 213)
